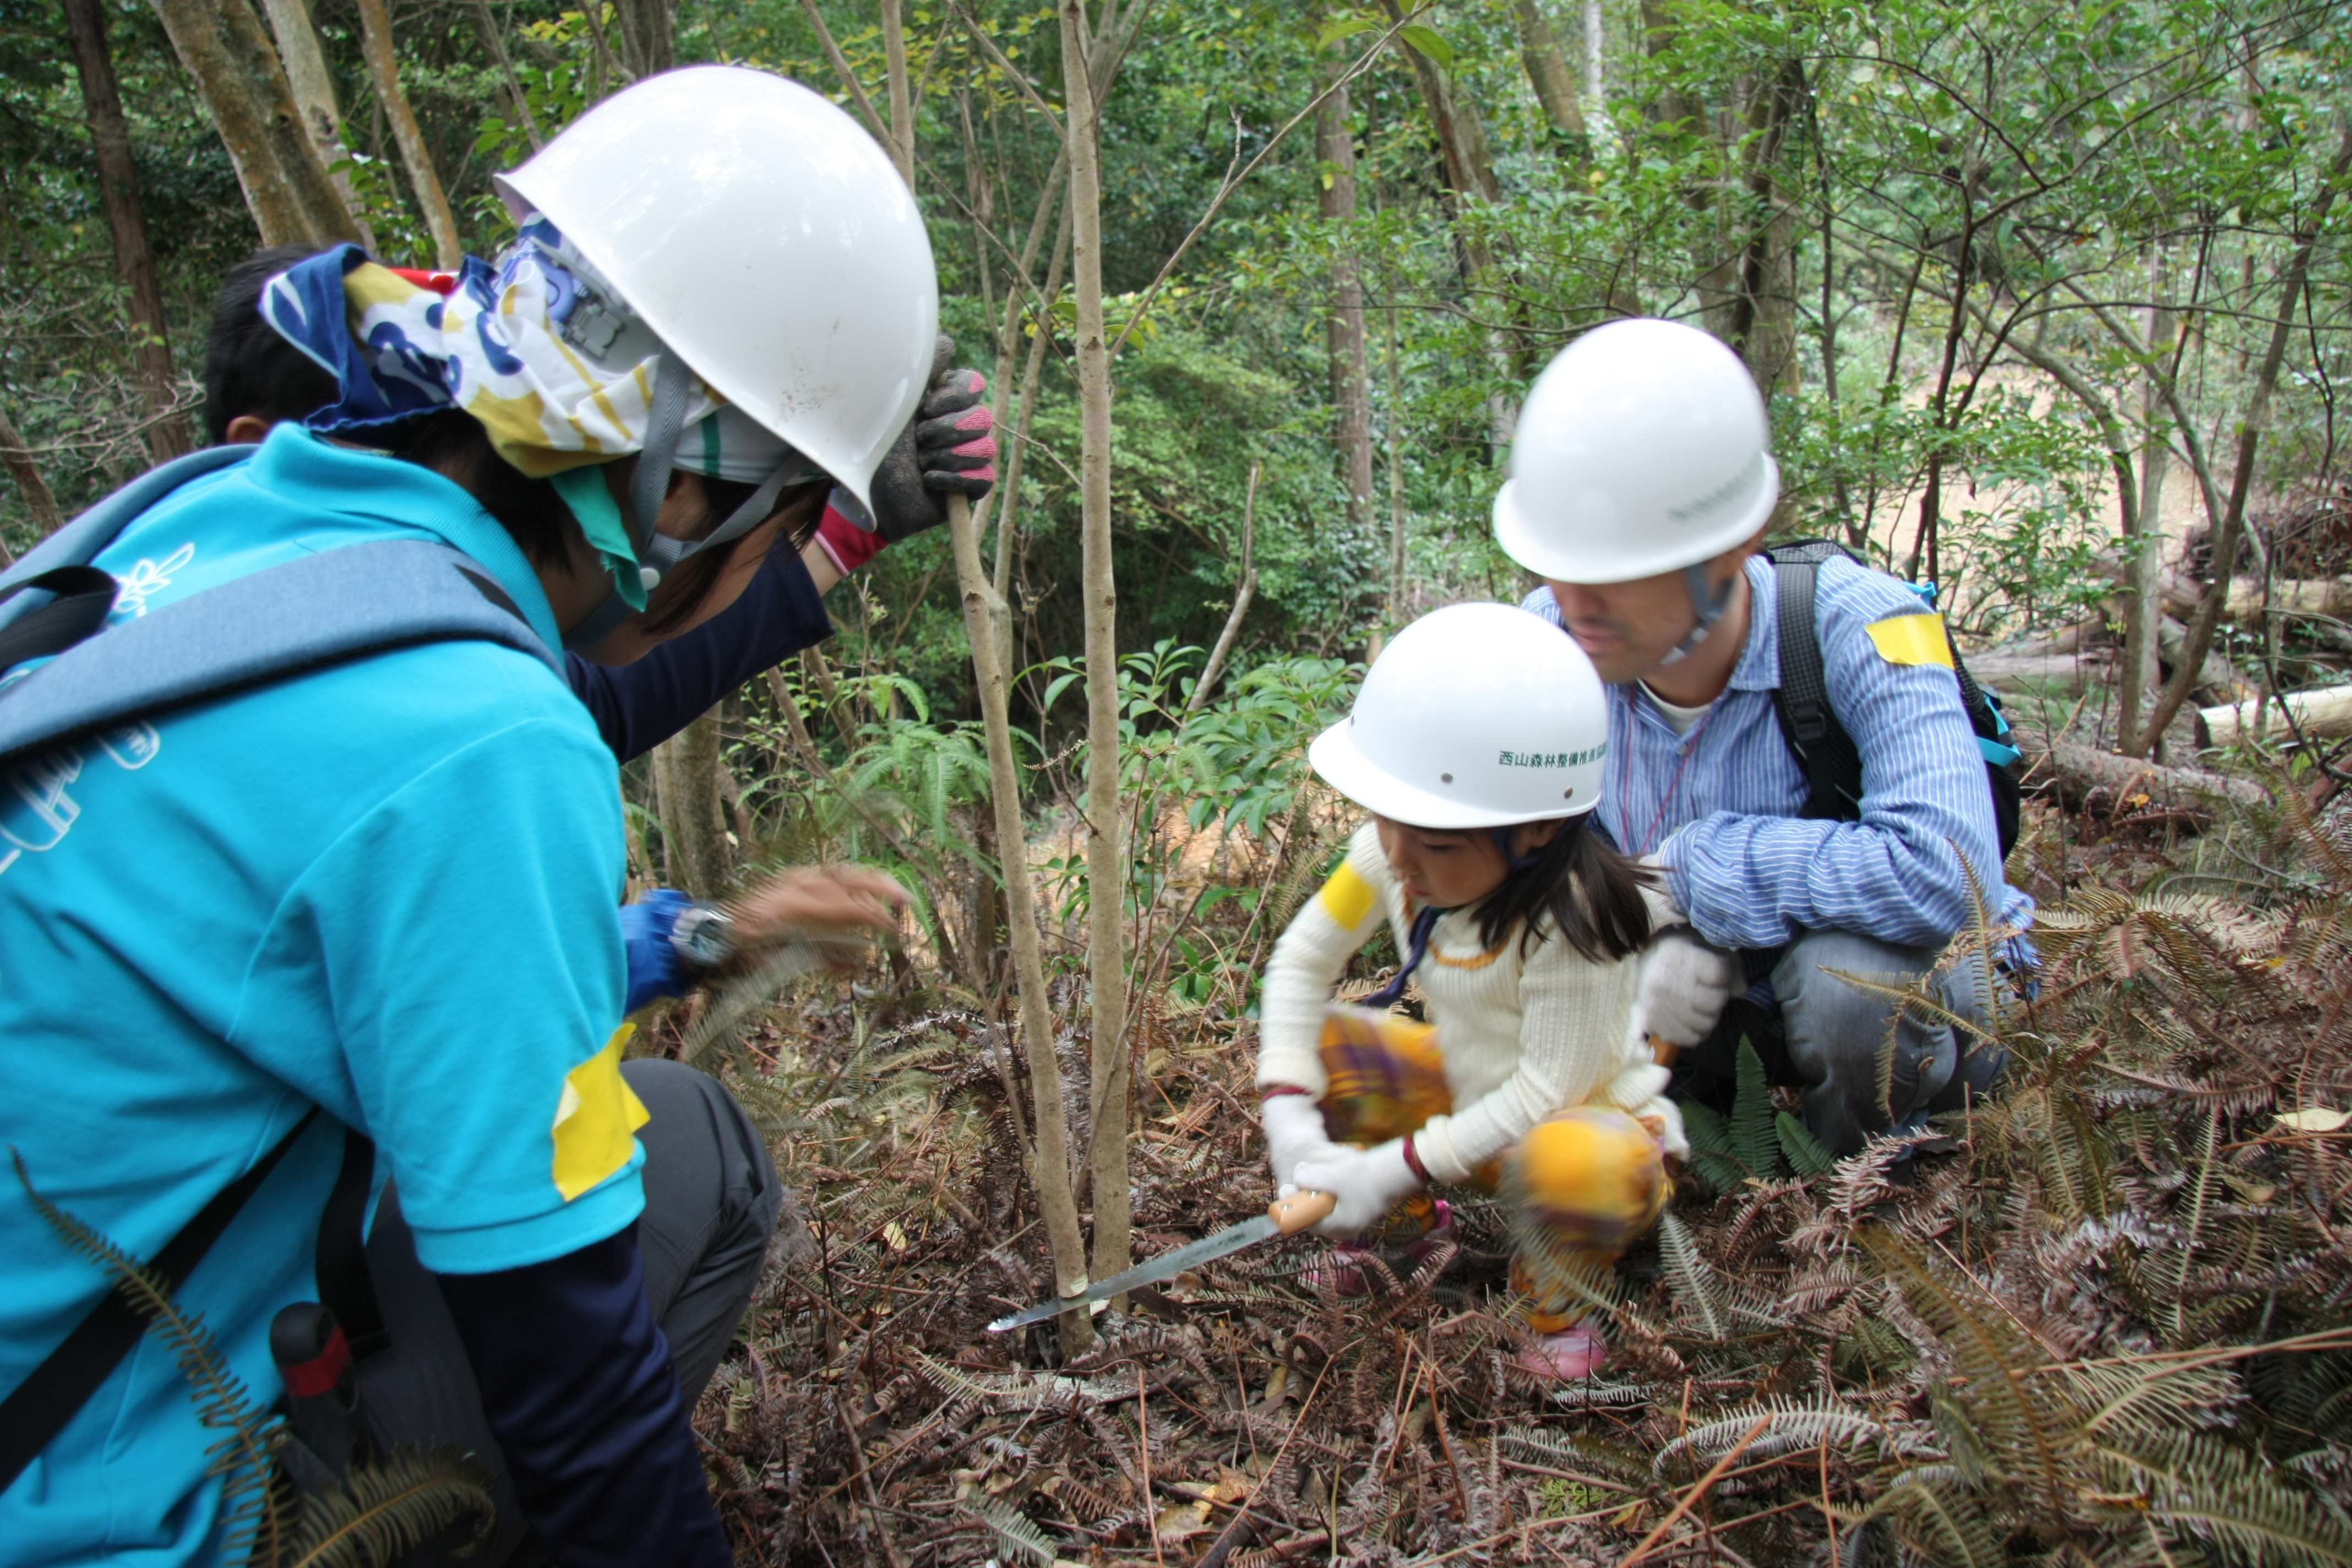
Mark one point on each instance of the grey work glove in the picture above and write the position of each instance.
(948, 448)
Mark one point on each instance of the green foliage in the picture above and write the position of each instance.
(1754, 1137)
(1806, 1154)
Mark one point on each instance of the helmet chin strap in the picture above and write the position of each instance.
(657, 552)
(1709, 605)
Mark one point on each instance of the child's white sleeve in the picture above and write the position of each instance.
(1574, 1019)
(1311, 955)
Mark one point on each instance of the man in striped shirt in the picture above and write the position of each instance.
(1639, 490)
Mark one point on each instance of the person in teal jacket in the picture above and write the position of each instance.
(379, 896)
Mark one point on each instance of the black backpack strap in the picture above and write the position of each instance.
(37, 1410)
(78, 541)
(80, 599)
(1832, 763)
(345, 1287)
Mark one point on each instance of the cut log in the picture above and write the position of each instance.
(2050, 672)
(2069, 639)
(2322, 713)
(2288, 595)
(2080, 769)
(2218, 682)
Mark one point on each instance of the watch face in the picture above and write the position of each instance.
(702, 937)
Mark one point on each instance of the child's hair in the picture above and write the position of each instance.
(1590, 890)
(248, 367)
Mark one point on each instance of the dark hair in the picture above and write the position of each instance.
(455, 444)
(248, 368)
(1590, 890)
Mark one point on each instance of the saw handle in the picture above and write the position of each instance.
(1299, 1210)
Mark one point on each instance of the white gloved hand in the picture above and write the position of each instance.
(1368, 1182)
(1684, 985)
(1294, 1132)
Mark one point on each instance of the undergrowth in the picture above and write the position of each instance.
(2102, 1316)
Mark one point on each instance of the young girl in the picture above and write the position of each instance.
(1477, 744)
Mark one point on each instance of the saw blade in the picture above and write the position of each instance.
(1167, 1265)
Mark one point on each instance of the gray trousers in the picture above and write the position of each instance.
(1825, 1038)
(711, 1200)
(1836, 1035)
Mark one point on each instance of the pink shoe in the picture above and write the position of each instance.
(1346, 1269)
(1566, 1356)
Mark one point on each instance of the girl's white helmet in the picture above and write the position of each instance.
(1475, 715)
(760, 232)
(1642, 450)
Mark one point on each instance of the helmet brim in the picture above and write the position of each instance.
(1342, 764)
(1523, 538)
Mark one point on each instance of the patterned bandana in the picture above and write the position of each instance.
(539, 349)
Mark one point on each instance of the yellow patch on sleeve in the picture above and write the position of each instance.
(1913, 639)
(596, 1119)
(1346, 898)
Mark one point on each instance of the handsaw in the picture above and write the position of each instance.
(1283, 1216)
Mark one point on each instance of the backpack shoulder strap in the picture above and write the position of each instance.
(1832, 765)
(37, 1409)
(310, 613)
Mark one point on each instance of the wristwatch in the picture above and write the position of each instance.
(703, 937)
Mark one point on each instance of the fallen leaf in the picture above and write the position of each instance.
(2319, 1119)
(896, 1235)
(1181, 1521)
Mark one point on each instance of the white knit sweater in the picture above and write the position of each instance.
(1522, 1037)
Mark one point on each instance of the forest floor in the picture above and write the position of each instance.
(2036, 1336)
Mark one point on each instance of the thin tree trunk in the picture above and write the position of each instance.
(649, 41)
(1105, 860)
(2144, 542)
(692, 808)
(1010, 506)
(1351, 401)
(383, 70)
(1595, 34)
(224, 47)
(1396, 467)
(902, 108)
(1243, 592)
(21, 468)
(495, 42)
(2225, 534)
(1548, 71)
(1050, 1168)
(134, 262)
(314, 97)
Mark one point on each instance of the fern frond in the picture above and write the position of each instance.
(2216, 1494)
(1791, 1425)
(1016, 1528)
(1710, 1144)
(390, 1506)
(252, 1503)
(1807, 1154)
(1947, 1525)
(1692, 1278)
(739, 997)
(1753, 1139)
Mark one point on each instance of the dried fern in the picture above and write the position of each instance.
(389, 1505)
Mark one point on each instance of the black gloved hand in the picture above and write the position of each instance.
(948, 448)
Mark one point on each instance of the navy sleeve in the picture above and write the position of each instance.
(638, 705)
(577, 1383)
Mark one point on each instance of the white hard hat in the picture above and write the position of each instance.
(760, 232)
(1642, 450)
(1476, 716)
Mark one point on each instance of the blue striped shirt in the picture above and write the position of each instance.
(1720, 806)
